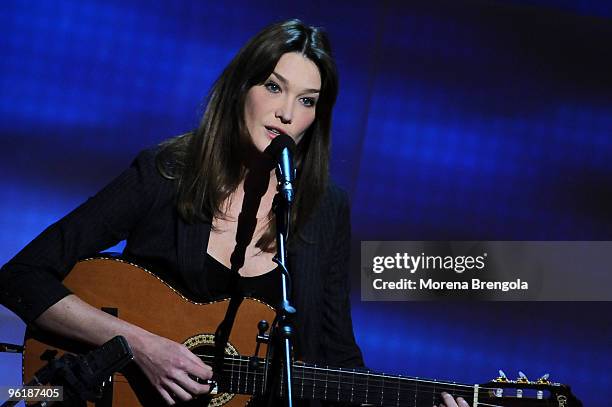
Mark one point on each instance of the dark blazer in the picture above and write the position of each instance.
(139, 206)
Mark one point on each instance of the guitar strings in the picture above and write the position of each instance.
(340, 378)
(318, 394)
(393, 399)
(242, 361)
(372, 385)
(422, 389)
(322, 392)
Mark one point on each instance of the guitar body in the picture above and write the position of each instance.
(141, 298)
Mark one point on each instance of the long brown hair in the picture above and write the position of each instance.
(203, 162)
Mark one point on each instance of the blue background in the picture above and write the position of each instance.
(456, 120)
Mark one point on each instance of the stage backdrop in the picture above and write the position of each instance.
(464, 120)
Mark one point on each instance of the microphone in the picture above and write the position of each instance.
(282, 149)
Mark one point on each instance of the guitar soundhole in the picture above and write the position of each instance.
(202, 345)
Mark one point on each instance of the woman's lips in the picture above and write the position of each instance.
(273, 132)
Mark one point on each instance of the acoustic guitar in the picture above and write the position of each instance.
(141, 298)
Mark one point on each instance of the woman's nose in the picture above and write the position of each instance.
(284, 112)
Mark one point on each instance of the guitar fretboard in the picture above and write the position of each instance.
(339, 384)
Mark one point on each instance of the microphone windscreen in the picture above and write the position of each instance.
(279, 143)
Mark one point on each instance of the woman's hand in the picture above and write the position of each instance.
(168, 365)
(449, 401)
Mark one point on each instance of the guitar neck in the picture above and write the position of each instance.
(241, 375)
(364, 387)
(311, 381)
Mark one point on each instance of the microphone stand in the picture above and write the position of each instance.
(284, 310)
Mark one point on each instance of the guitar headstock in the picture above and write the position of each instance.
(526, 393)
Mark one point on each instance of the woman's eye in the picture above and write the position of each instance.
(272, 87)
(308, 102)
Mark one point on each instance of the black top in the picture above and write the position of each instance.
(265, 287)
(140, 206)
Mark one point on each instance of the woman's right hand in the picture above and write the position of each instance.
(168, 366)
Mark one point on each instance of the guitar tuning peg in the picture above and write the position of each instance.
(522, 378)
(543, 379)
(502, 377)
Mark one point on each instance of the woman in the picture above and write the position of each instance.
(198, 208)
